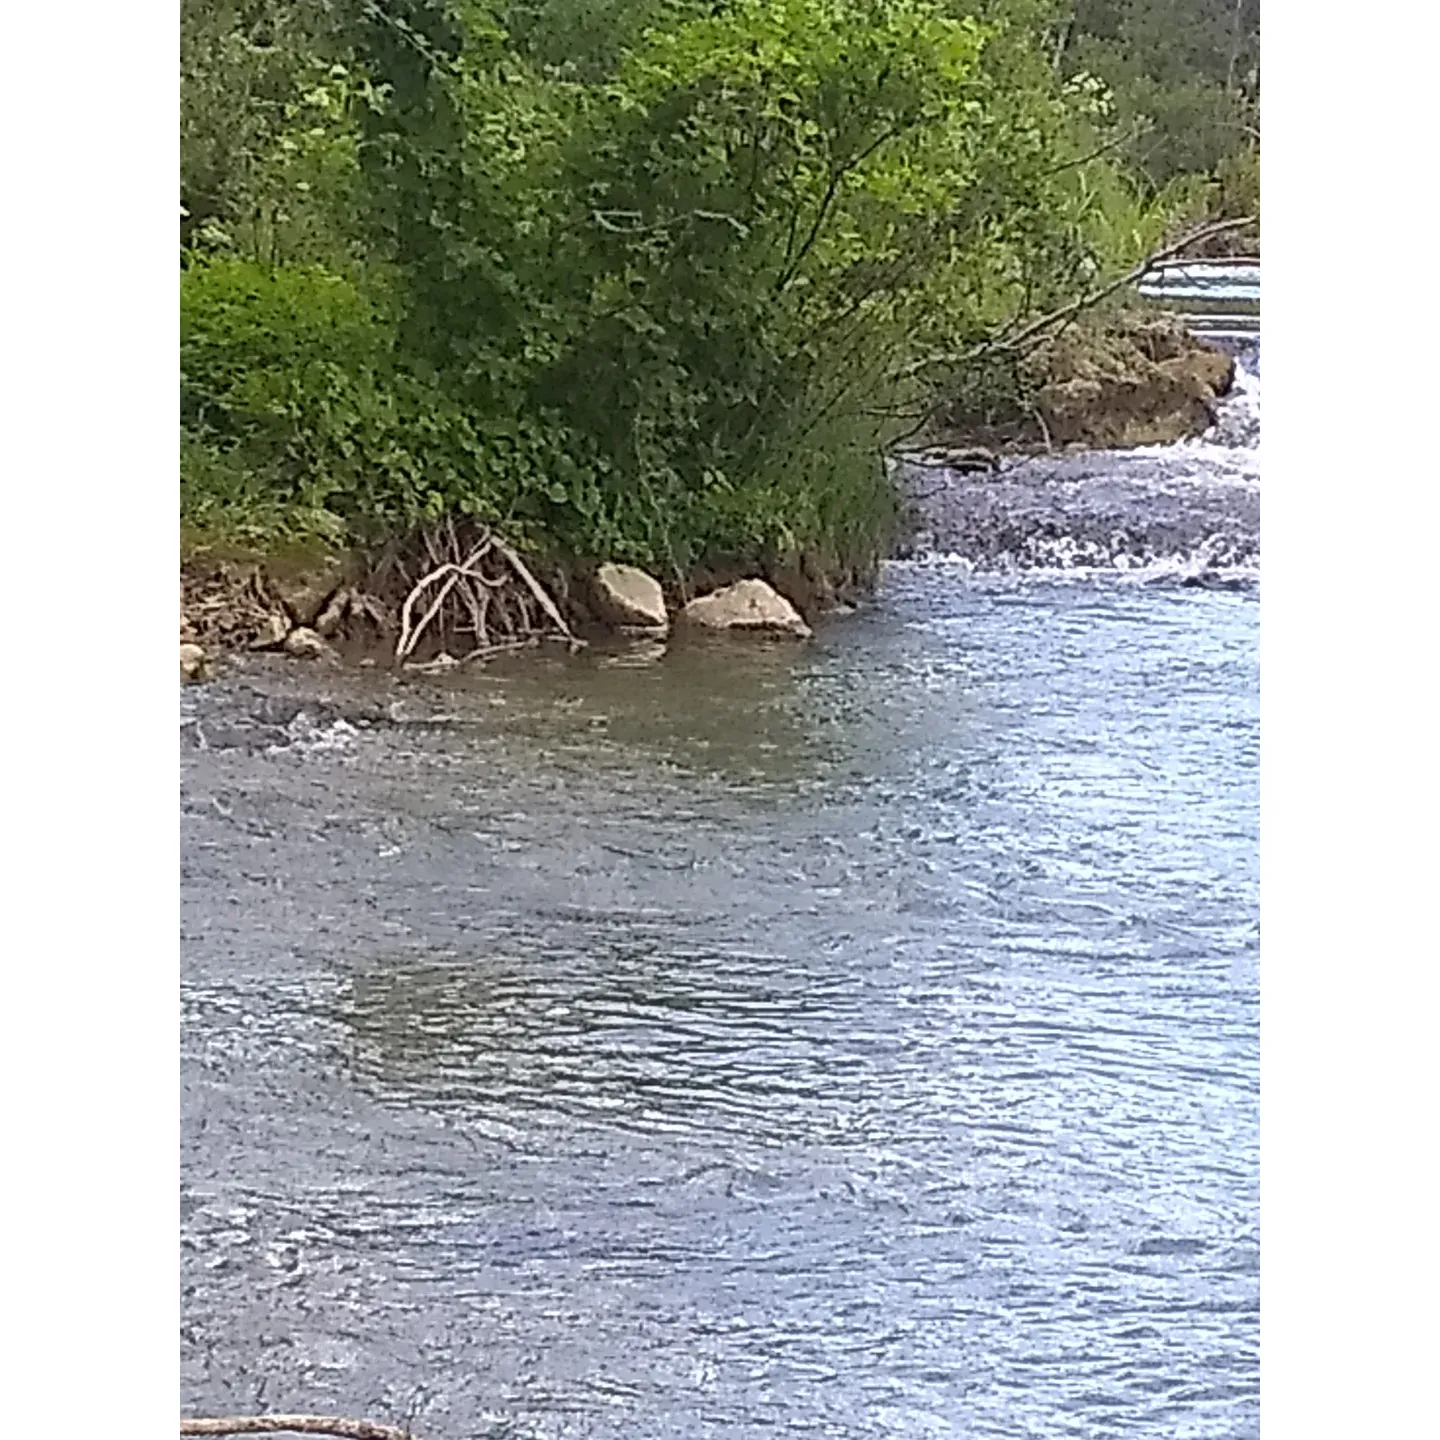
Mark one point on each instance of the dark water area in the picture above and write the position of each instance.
(853, 1038)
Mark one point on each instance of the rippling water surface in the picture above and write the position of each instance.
(859, 1039)
(849, 1039)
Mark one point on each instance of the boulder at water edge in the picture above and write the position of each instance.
(630, 598)
(747, 605)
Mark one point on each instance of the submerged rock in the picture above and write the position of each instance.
(747, 605)
(192, 662)
(630, 598)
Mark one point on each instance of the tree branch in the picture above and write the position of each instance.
(792, 268)
(1086, 301)
(1114, 143)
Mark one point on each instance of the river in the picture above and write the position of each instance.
(856, 1038)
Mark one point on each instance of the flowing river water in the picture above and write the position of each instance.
(856, 1038)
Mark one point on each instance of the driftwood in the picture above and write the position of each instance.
(477, 593)
(534, 586)
(294, 1425)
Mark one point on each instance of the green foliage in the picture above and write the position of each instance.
(649, 279)
(1237, 182)
(1184, 76)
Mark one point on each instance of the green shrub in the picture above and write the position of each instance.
(647, 279)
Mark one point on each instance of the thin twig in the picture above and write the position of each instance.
(1044, 428)
(410, 638)
(1063, 316)
(1114, 143)
(1227, 260)
(535, 587)
(502, 647)
(1086, 301)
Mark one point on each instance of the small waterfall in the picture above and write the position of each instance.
(1238, 425)
(1187, 512)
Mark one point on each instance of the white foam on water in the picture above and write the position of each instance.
(307, 736)
(1211, 562)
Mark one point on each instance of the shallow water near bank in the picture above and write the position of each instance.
(849, 1038)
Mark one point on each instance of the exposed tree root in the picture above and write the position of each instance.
(475, 596)
(450, 592)
(294, 1425)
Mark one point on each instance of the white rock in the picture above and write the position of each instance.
(192, 662)
(305, 644)
(747, 605)
(631, 598)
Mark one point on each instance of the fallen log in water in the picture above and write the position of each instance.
(336, 1425)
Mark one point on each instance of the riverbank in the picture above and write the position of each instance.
(1131, 376)
(1117, 380)
(481, 601)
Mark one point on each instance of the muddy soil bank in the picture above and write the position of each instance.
(1129, 378)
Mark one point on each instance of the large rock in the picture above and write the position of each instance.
(630, 598)
(1130, 381)
(746, 605)
(1212, 369)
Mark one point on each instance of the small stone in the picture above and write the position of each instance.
(747, 605)
(192, 662)
(305, 644)
(272, 632)
(630, 598)
(333, 615)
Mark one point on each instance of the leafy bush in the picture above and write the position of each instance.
(649, 279)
